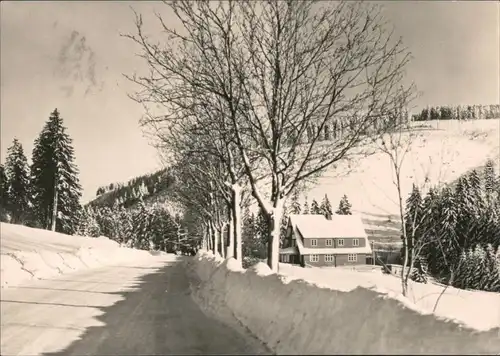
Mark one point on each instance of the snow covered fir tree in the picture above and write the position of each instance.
(55, 183)
(326, 207)
(344, 206)
(17, 184)
(455, 231)
(4, 197)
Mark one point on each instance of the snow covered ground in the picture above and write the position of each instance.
(329, 311)
(441, 151)
(28, 253)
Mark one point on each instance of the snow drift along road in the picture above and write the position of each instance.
(297, 317)
(28, 253)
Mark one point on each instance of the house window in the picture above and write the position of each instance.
(352, 257)
(341, 242)
(329, 258)
(329, 242)
(314, 242)
(314, 258)
(286, 258)
(355, 242)
(294, 243)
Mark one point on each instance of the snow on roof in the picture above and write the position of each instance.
(318, 226)
(311, 225)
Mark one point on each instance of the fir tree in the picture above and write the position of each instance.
(55, 177)
(434, 114)
(326, 207)
(463, 234)
(125, 232)
(4, 197)
(424, 116)
(107, 222)
(87, 225)
(413, 218)
(262, 228)
(161, 227)
(464, 203)
(489, 178)
(478, 263)
(476, 190)
(462, 272)
(419, 273)
(295, 204)
(447, 218)
(305, 209)
(315, 207)
(495, 277)
(429, 227)
(17, 173)
(344, 206)
(491, 276)
(140, 224)
(248, 232)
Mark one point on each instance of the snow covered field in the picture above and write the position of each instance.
(441, 152)
(328, 311)
(28, 253)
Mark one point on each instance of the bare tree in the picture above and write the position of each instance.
(279, 74)
(196, 192)
(204, 144)
(395, 142)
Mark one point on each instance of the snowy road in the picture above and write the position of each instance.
(136, 309)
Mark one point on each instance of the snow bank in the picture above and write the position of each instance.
(293, 316)
(28, 253)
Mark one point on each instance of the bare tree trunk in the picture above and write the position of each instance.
(216, 239)
(236, 190)
(273, 244)
(209, 238)
(222, 238)
(213, 238)
(230, 245)
(404, 281)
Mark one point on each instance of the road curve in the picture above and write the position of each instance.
(136, 309)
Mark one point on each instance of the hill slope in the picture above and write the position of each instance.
(149, 186)
(442, 152)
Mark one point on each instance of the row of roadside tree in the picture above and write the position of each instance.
(232, 95)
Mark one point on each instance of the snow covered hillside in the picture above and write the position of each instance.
(440, 153)
(313, 311)
(28, 253)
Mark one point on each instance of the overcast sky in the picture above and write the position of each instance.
(69, 55)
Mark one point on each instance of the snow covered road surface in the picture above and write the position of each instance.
(128, 309)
